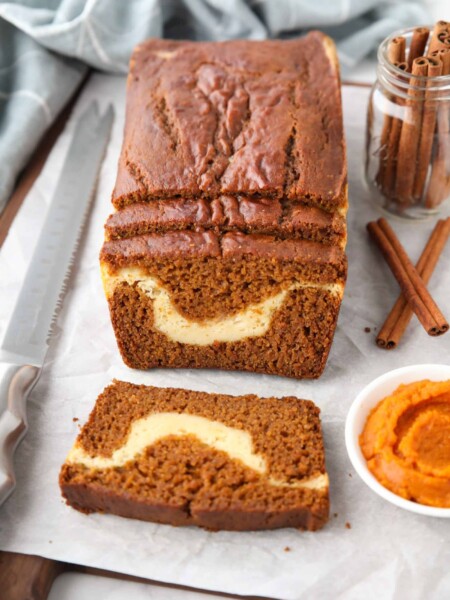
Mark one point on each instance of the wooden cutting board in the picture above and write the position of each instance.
(27, 577)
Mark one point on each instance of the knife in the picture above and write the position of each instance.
(25, 343)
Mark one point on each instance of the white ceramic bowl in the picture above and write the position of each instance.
(368, 398)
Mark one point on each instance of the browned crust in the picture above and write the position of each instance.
(271, 121)
(81, 496)
(249, 215)
(296, 345)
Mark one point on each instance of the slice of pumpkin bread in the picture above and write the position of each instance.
(191, 458)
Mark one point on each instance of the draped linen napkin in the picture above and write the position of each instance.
(47, 46)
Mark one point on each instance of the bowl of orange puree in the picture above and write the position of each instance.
(397, 435)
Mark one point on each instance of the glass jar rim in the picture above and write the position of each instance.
(384, 62)
(399, 82)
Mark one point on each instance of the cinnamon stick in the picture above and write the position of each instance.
(418, 42)
(441, 27)
(444, 40)
(427, 131)
(410, 133)
(396, 56)
(438, 187)
(444, 56)
(397, 321)
(391, 159)
(390, 163)
(396, 49)
(412, 286)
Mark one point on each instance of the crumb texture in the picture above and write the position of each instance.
(296, 344)
(181, 480)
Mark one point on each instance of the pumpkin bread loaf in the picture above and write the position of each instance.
(190, 458)
(226, 249)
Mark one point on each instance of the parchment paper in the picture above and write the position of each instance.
(384, 552)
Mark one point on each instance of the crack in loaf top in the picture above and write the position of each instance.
(240, 117)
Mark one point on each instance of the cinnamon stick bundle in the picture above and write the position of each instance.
(413, 288)
(414, 150)
(397, 321)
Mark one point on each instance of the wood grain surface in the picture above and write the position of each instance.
(26, 577)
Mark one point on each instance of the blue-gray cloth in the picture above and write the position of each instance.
(46, 46)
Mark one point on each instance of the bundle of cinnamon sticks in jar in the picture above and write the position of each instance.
(414, 156)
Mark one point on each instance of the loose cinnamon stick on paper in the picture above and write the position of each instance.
(413, 288)
(410, 133)
(418, 42)
(397, 321)
(427, 131)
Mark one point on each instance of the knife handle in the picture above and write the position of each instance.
(16, 382)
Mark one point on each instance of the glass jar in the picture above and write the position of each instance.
(408, 137)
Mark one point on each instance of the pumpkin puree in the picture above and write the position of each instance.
(406, 442)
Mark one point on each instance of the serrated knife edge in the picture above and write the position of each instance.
(25, 342)
(49, 269)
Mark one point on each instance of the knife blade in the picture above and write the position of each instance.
(25, 343)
